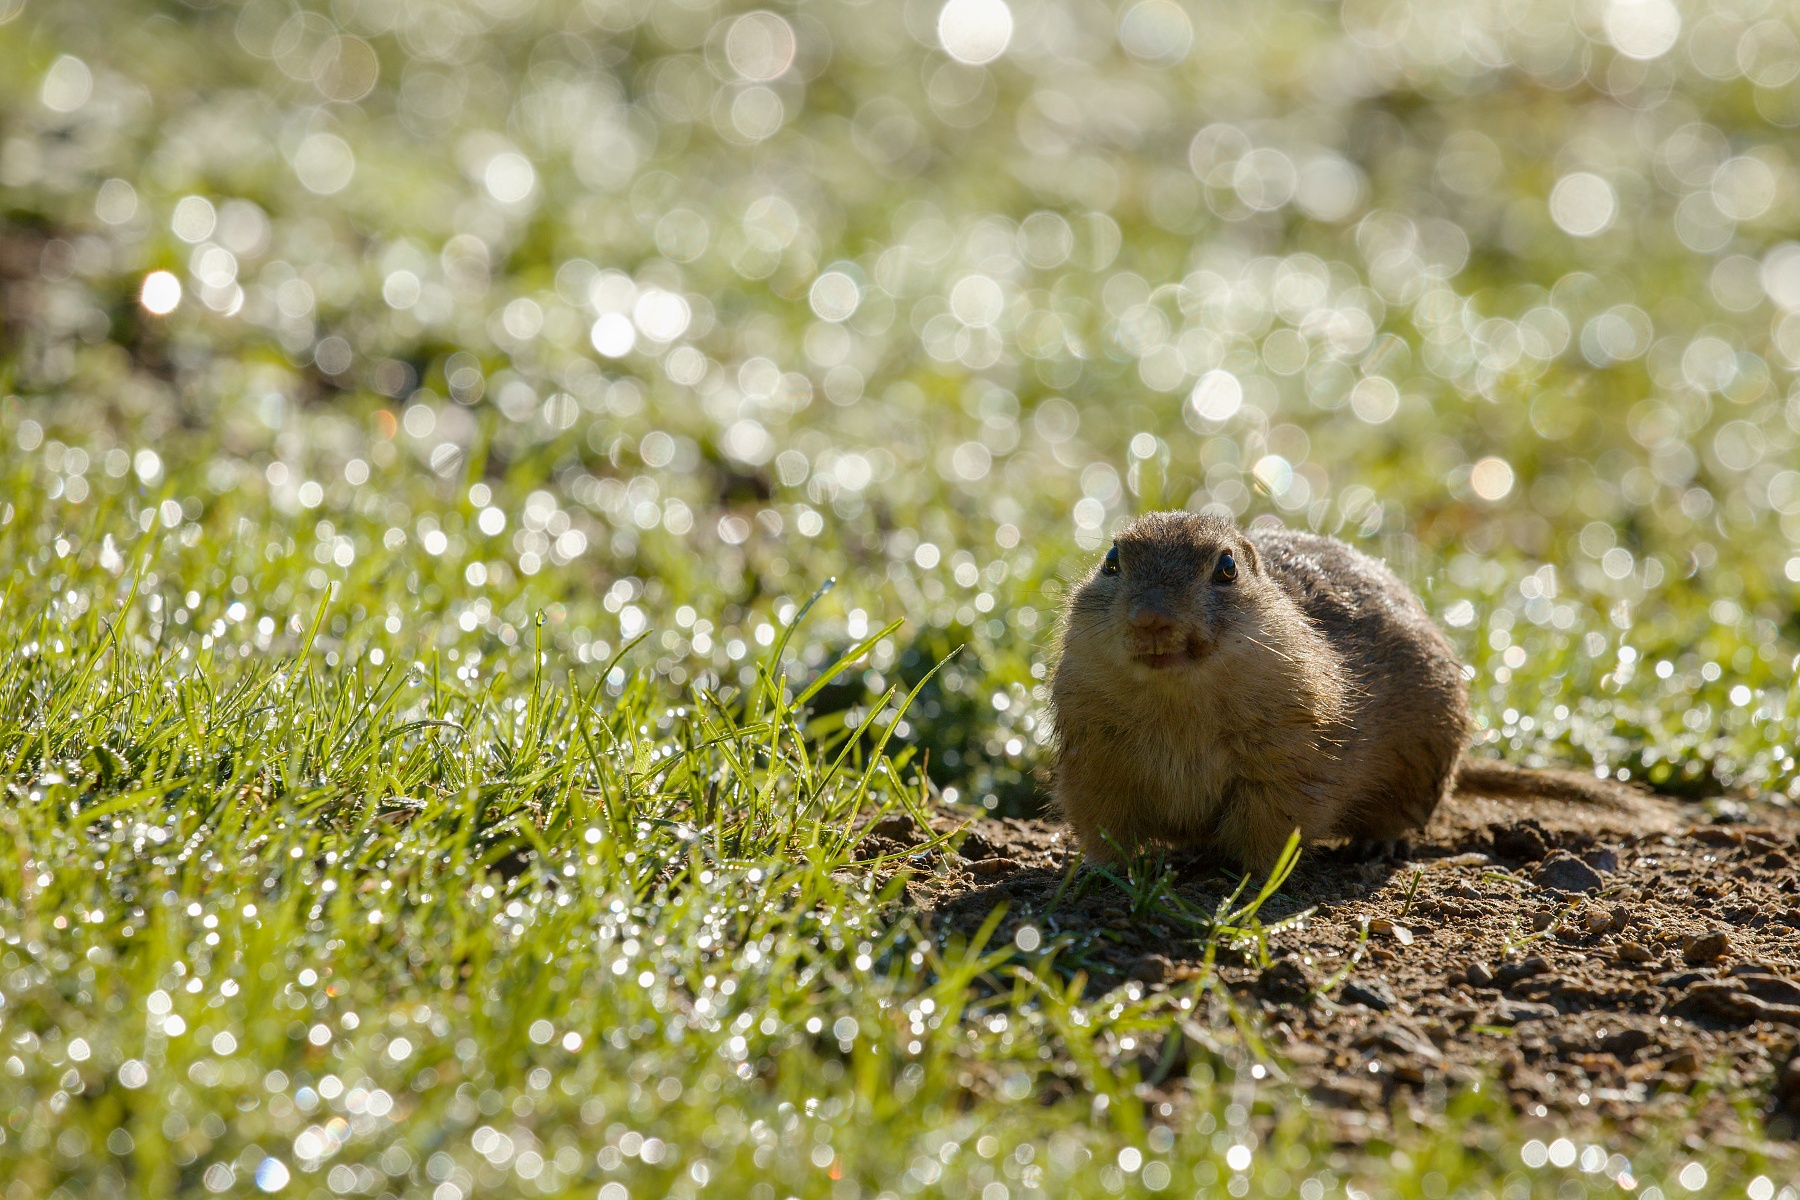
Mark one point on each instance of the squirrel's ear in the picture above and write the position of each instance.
(1247, 556)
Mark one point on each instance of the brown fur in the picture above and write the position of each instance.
(1311, 693)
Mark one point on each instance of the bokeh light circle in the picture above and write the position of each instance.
(509, 177)
(194, 219)
(977, 300)
(1491, 479)
(760, 46)
(345, 69)
(613, 335)
(660, 315)
(1217, 396)
(835, 296)
(1642, 28)
(975, 31)
(324, 163)
(1375, 399)
(67, 85)
(1156, 32)
(756, 113)
(160, 294)
(1583, 204)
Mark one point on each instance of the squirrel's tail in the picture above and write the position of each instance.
(1490, 777)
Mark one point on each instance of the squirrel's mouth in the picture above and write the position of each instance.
(1161, 662)
(1163, 655)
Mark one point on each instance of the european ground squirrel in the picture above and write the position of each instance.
(1220, 688)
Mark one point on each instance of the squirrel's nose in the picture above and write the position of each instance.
(1151, 617)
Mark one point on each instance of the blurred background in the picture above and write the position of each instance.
(653, 316)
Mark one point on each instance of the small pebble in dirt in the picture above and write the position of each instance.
(975, 846)
(1523, 842)
(1511, 1012)
(1479, 974)
(1636, 952)
(1393, 929)
(1705, 948)
(1674, 981)
(1682, 1062)
(1597, 921)
(1766, 984)
(1787, 1085)
(1729, 1001)
(1370, 992)
(1563, 872)
(898, 826)
(992, 868)
(1625, 1044)
(1512, 973)
(1605, 859)
(1150, 968)
(1285, 982)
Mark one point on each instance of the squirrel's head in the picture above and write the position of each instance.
(1170, 592)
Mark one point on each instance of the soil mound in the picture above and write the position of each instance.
(1604, 960)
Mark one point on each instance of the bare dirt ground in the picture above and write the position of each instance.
(1625, 963)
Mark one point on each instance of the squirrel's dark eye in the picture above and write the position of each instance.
(1111, 565)
(1226, 571)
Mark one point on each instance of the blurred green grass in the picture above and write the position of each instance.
(503, 333)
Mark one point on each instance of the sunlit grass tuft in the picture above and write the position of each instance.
(487, 922)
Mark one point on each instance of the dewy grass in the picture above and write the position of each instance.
(326, 904)
(422, 425)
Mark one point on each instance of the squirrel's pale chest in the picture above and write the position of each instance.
(1177, 766)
